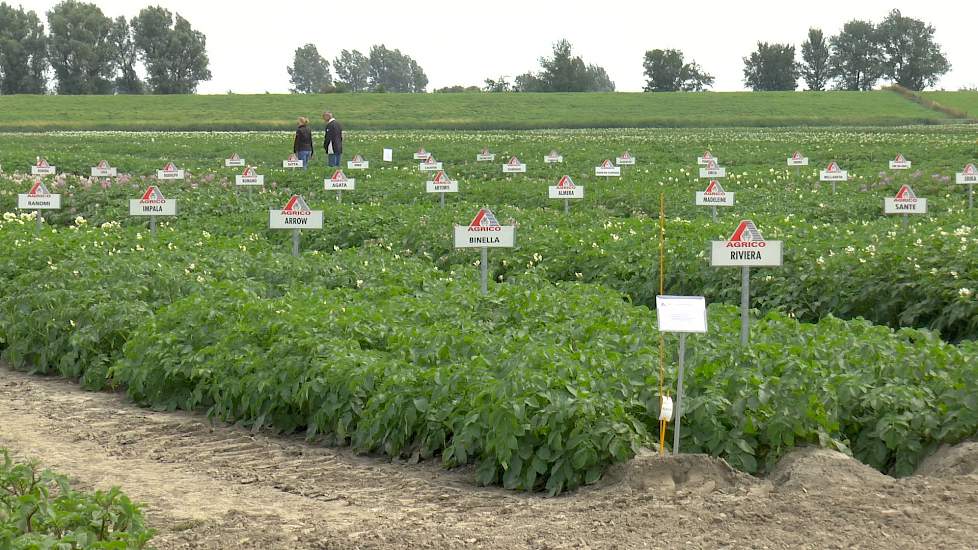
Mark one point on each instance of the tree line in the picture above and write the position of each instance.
(88, 52)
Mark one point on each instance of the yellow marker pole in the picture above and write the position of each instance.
(662, 347)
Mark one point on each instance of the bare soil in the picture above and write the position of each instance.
(214, 486)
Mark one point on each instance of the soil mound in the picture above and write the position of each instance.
(812, 467)
(951, 461)
(690, 472)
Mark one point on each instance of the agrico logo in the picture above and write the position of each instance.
(565, 183)
(899, 158)
(514, 161)
(626, 155)
(485, 221)
(38, 189)
(422, 152)
(102, 165)
(711, 164)
(553, 154)
(707, 155)
(292, 158)
(153, 195)
(607, 164)
(249, 172)
(357, 158)
(338, 176)
(430, 160)
(970, 170)
(796, 156)
(234, 156)
(746, 236)
(714, 188)
(440, 177)
(42, 163)
(296, 207)
(485, 151)
(833, 167)
(169, 167)
(906, 194)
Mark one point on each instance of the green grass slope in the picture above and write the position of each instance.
(464, 111)
(962, 101)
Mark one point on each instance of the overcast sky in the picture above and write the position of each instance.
(250, 43)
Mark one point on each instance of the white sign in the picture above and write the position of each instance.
(295, 215)
(899, 163)
(339, 182)
(565, 189)
(234, 161)
(421, 154)
(357, 163)
(249, 177)
(797, 160)
(969, 175)
(681, 313)
(553, 158)
(169, 172)
(714, 195)
(441, 183)
(746, 247)
(292, 162)
(103, 170)
(484, 231)
(485, 156)
(153, 203)
(514, 166)
(706, 158)
(430, 165)
(388, 155)
(905, 202)
(42, 168)
(38, 198)
(833, 173)
(712, 170)
(626, 159)
(607, 170)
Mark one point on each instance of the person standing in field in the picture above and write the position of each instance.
(333, 142)
(302, 144)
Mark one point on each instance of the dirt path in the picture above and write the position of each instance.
(222, 487)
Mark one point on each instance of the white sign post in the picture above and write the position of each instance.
(292, 161)
(103, 170)
(169, 172)
(900, 163)
(746, 248)
(358, 163)
(714, 196)
(485, 232)
(565, 189)
(388, 155)
(485, 156)
(295, 215)
(797, 160)
(152, 204)
(684, 315)
(339, 182)
(514, 166)
(969, 177)
(626, 159)
(430, 165)
(833, 173)
(441, 184)
(421, 154)
(713, 170)
(249, 178)
(42, 168)
(607, 170)
(706, 158)
(234, 161)
(905, 202)
(553, 158)
(37, 199)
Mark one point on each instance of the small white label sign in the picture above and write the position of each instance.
(346, 184)
(485, 157)
(557, 192)
(553, 158)
(625, 160)
(43, 169)
(430, 166)
(715, 172)
(681, 313)
(968, 176)
(501, 236)
(714, 199)
(607, 170)
(295, 215)
(797, 160)
(904, 206)
(152, 207)
(388, 155)
(103, 170)
(514, 166)
(26, 201)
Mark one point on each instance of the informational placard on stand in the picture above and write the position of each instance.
(485, 232)
(485, 156)
(514, 166)
(607, 170)
(42, 168)
(684, 315)
(900, 163)
(905, 202)
(249, 177)
(553, 157)
(103, 170)
(292, 161)
(234, 161)
(295, 215)
(358, 163)
(626, 159)
(169, 172)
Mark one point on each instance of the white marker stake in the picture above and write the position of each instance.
(339, 183)
(745, 248)
(565, 189)
(295, 215)
(833, 173)
(388, 155)
(485, 232)
(42, 168)
(905, 202)
(685, 315)
(607, 170)
(714, 196)
(514, 166)
(37, 199)
(103, 170)
(234, 161)
(900, 163)
(152, 204)
(441, 184)
(169, 172)
(969, 177)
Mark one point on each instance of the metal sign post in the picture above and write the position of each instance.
(679, 392)
(295, 215)
(295, 242)
(39, 221)
(485, 232)
(152, 225)
(744, 304)
(484, 267)
(566, 206)
(685, 315)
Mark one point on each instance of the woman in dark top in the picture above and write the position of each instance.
(302, 145)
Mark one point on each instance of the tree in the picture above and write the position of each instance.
(79, 48)
(667, 71)
(23, 52)
(309, 71)
(911, 57)
(351, 71)
(174, 53)
(772, 67)
(565, 72)
(856, 62)
(457, 89)
(815, 60)
(126, 80)
(500, 85)
(529, 82)
(391, 71)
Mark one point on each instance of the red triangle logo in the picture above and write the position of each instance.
(292, 158)
(833, 167)
(430, 160)
(514, 161)
(485, 151)
(421, 151)
(746, 232)
(38, 189)
(796, 156)
(234, 156)
(626, 155)
(248, 172)
(440, 177)
(153, 193)
(357, 158)
(714, 188)
(553, 154)
(485, 218)
(296, 204)
(565, 183)
(970, 170)
(905, 192)
(711, 164)
(169, 167)
(102, 164)
(338, 176)
(707, 155)
(42, 163)
(899, 158)
(607, 164)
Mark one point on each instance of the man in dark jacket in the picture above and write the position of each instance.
(333, 142)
